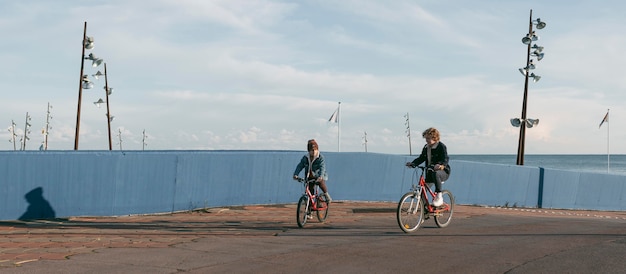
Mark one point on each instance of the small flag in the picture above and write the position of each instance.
(335, 117)
(606, 119)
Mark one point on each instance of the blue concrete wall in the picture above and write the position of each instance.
(43, 184)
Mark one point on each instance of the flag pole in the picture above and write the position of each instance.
(338, 126)
(608, 154)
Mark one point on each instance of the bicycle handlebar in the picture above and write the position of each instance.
(431, 168)
(301, 180)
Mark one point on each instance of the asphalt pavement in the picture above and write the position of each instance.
(358, 237)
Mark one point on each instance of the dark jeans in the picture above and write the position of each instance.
(437, 177)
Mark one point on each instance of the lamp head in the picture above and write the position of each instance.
(98, 74)
(540, 24)
(516, 122)
(538, 55)
(534, 37)
(88, 43)
(523, 71)
(535, 77)
(87, 84)
(97, 103)
(531, 122)
(96, 62)
(537, 48)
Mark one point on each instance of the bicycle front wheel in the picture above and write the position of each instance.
(443, 214)
(322, 208)
(410, 212)
(303, 210)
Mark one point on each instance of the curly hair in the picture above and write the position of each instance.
(432, 132)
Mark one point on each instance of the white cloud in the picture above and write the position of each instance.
(268, 74)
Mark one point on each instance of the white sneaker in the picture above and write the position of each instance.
(438, 201)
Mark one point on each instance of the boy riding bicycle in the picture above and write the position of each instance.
(435, 154)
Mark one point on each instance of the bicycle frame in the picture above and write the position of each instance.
(423, 189)
(312, 197)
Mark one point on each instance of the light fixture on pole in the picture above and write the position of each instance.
(524, 122)
(26, 131)
(13, 134)
(85, 83)
(45, 131)
(107, 91)
(408, 131)
(365, 140)
(119, 136)
(143, 140)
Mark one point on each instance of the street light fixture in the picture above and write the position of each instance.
(85, 83)
(408, 131)
(13, 134)
(46, 131)
(108, 91)
(524, 122)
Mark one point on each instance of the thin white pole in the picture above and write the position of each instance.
(338, 126)
(608, 154)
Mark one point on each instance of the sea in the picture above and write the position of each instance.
(611, 164)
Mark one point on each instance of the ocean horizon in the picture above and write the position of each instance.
(598, 163)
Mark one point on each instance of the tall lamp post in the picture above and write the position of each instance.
(523, 122)
(107, 91)
(85, 83)
(408, 132)
(13, 134)
(46, 130)
(365, 140)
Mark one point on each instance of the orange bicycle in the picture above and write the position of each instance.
(311, 202)
(415, 207)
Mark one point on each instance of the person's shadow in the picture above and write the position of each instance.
(38, 207)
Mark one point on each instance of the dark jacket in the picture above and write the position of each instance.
(439, 155)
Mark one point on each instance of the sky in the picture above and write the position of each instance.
(268, 75)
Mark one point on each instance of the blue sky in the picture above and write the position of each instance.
(268, 74)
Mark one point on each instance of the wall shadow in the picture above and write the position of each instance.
(38, 207)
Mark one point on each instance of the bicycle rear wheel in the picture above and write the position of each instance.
(322, 208)
(410, 213)
(443, 214)
(303, 210)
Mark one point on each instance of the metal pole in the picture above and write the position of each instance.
(13, 134)
(608, 152)
(522, 130)
(45, 141)
(338, 126)
(26, 126)
(408, 129)
(106, 90)
(80, 87)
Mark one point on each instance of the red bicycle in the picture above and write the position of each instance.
(310, 202)
(414, 206)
